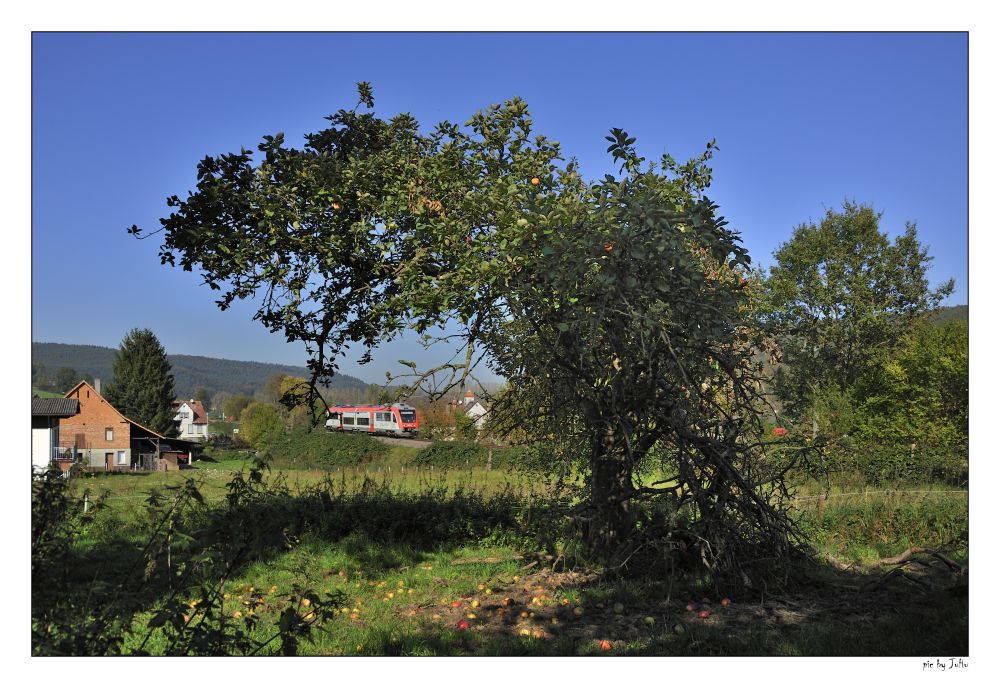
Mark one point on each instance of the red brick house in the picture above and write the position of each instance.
(102, 438)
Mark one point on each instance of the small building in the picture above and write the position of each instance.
(477, 412)
(101, 437)
(191, 419)
(45, 416)
(474, 409)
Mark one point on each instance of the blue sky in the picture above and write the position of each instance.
(802, 121)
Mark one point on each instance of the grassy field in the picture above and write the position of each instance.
(389, 559)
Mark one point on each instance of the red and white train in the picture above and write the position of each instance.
(398, 419)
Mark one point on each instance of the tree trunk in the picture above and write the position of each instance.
(610, 495)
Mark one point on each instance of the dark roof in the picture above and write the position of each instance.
(64, 408)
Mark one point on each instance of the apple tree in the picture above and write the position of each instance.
(617, 310)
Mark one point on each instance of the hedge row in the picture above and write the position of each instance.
(464, 454)
(323, 449)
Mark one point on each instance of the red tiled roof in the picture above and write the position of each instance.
(199, 410)
(84, 383)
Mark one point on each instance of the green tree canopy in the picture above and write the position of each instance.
(919, 391)
(616, 309)
(142, 386)
(234, 405)
(66, 379)
(840, 294)
(261, 425)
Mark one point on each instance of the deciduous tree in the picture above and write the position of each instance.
(234, 406)
(841, 293)
(616, 310)
(261, 424)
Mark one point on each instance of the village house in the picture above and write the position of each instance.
(474, 409)
(45, 416)
(101, 437)
(191, 419)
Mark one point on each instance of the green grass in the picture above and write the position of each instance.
(35, 392)
(221, 427)
(866, 526)
(396, 545)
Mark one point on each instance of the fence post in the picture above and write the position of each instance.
(86, 500)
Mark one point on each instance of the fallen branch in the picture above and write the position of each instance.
(837, 564)
(486, 560)
(908, 554)
(905, 555)
(955, 567)
(893, 573)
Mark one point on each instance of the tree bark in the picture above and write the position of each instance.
(610, 495)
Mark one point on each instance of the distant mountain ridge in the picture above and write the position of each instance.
(190, 372)
(949, 313)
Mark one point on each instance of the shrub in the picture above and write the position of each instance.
(900, 461)
(465, 454)
(321, 449)
(261, 425)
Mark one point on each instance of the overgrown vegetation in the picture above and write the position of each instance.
(636, 344)
(465, 454)
(384, 567)
(321, 449)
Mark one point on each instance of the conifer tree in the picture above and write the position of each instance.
(142, 386)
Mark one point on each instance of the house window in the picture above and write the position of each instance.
(109, 434)
(190, 428)
(120, 459)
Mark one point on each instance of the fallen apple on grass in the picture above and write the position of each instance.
(463, 625)
(726, 602)
(704, 614)
(606, 645)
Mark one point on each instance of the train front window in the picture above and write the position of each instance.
(408, 416)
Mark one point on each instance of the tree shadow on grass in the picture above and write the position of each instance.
(838, 615)
(828, 612)
(113, 575)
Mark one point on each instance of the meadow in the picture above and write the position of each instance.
(396, 558)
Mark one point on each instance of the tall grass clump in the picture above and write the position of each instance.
(886, 522)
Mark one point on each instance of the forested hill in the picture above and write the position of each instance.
(190, 372)
(949, 313)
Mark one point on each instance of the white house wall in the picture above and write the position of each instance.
(42, 442)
